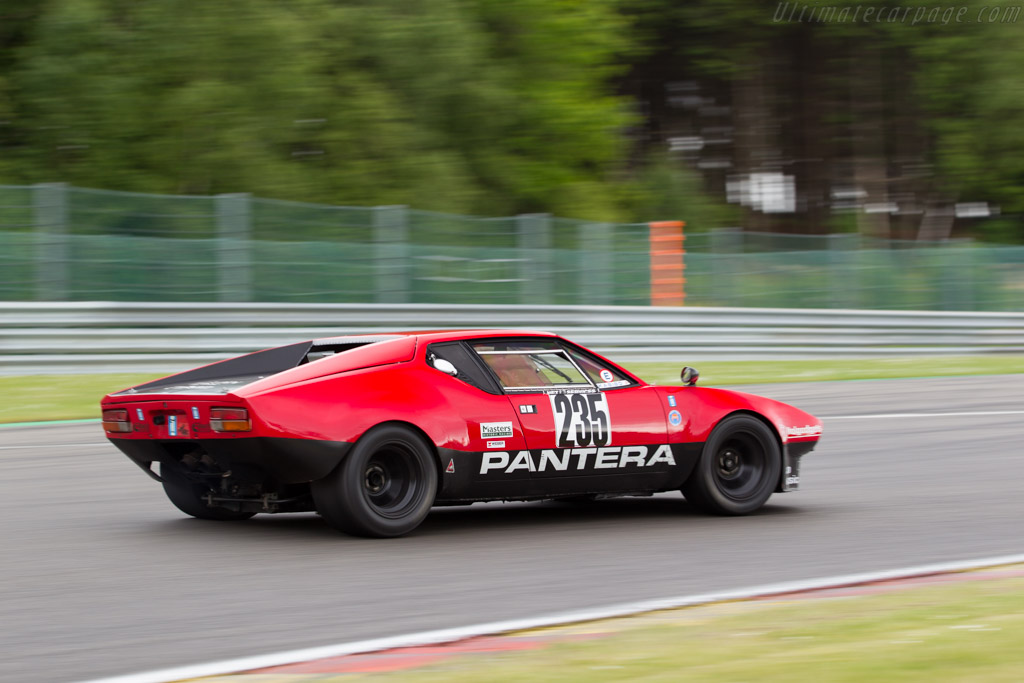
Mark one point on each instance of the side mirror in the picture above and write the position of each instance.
(445, 366)
(689, 376)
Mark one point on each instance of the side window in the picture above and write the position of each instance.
(600, 374)
(466, 363)
(531, 366)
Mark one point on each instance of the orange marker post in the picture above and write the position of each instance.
(668, 284)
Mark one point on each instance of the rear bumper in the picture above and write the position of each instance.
(288, 461)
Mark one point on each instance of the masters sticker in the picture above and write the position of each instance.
(495, 430)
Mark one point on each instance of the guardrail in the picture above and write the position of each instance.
(80, 337)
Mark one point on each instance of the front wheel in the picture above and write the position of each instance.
(738, 470)
(383, 488)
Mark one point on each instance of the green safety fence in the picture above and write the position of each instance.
(66, 243)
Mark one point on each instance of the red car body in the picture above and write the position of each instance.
(308, 405)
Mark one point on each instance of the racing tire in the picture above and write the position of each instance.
(383, 488)
(738, 469)
(187, 497)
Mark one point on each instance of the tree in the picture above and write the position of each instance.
(446, 105)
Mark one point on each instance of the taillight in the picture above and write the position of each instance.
(230, 420)
(116, 421)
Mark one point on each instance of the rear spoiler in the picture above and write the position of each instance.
(255, 366)
(266, 362)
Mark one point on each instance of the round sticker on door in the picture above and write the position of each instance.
(674, 418)
(606, 376)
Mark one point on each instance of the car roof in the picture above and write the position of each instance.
(431, 336)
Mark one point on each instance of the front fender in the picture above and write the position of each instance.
(703, 408)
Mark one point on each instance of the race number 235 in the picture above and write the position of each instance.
(582, 420)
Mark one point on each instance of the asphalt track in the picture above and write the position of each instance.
(99, 575)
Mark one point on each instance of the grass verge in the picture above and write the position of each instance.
(59, 397)
(721, 373)
(68, 397)
(967, 631)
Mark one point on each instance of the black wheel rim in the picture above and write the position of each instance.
(393, 480)
(740, 466)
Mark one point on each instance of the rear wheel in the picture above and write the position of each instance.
(383, 488)
(738, 470)
(187, 496)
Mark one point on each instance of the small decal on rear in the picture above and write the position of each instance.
(672, 401)
(805, 431)
(138, 413)
(495, 444)
(527, 409)
(195, 413)
(606, 376)
(674, 418)
(495, 430)
(451, 466)
(172, 425)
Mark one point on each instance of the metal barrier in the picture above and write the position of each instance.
(80, 337)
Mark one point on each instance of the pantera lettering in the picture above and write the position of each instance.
(576, 459)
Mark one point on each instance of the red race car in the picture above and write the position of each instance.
(371, 431)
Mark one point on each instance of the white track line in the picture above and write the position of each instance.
(980, 413)
(447, 635)
(55, 445)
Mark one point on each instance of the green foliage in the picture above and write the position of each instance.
(494, 107)
(498, 107)
(969, 82)
(664, 189)
(923, 86)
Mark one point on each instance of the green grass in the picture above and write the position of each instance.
(67, 397)
(961, 632)
(720, 373)
(59, 397)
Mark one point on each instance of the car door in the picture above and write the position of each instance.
(491, 426)
(582, 435)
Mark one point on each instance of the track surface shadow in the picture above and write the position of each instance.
(481, 518)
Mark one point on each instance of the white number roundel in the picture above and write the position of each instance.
(581, 420)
